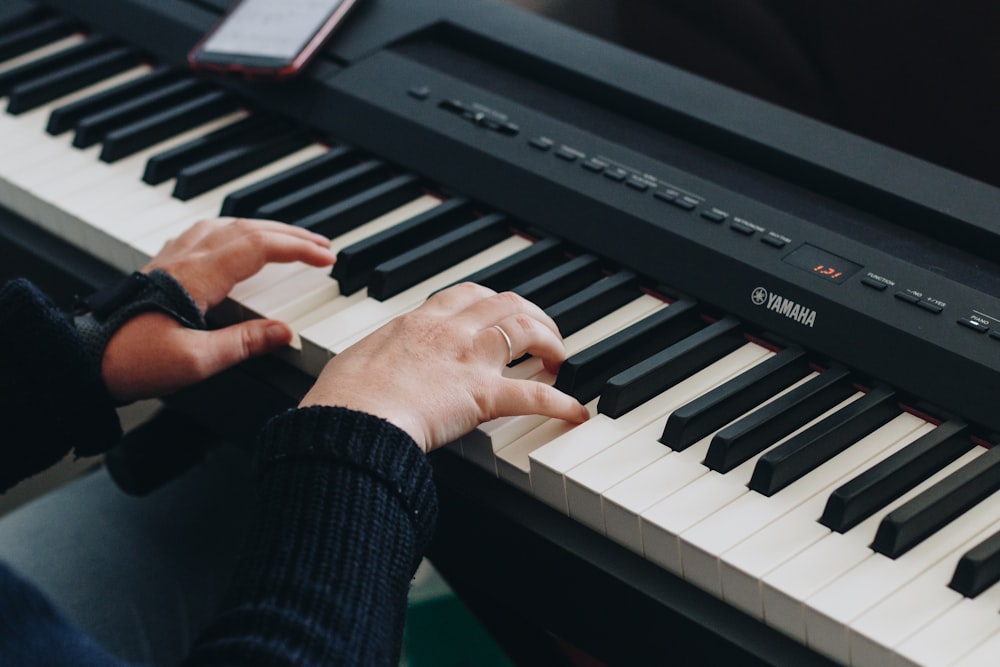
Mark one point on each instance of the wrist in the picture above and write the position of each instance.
(99, 316)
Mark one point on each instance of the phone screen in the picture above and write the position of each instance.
(269, 34)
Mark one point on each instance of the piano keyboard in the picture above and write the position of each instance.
(784, 485)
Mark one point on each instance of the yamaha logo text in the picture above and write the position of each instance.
(782, 306)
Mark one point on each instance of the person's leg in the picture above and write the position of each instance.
(140, 575)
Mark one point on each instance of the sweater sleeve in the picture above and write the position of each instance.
(52, 398)
(346, 507)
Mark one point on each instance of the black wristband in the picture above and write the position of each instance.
(100, 315)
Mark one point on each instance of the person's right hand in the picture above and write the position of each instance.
(436, 372)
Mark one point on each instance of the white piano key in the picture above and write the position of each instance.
(308, 287)
(322, 340)
(28, 128)
(149, 236)
(123, 177)
(483, 444)
(703, 545)
(983, 655)
(957, 631)
(785, 589)
(663, 523)
(743, 566)
(49, 49)
(111, 195)
(513, 464)
(552, 465)
(587, 482)
(878, 631)
(831, 609)
(624, 502)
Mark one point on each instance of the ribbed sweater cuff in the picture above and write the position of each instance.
(48, 385)
(346, 508)
(360, 440)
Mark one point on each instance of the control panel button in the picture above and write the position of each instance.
(666, 194)
(974, 324)
(930, 306)
(637, 184)
(419, 92)
(907, 297)
(566, 154)
(868, 281)
(714, 215)
(508, 129)
(616, 174)
(685, 202)
(995, 334)
(595, 165)
(542, 143)
(774, 241)
(741, 228)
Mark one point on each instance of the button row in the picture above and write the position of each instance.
(681, 200)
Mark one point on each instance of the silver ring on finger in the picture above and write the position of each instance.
(510, 347)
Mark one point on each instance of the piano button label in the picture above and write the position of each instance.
(974, 323)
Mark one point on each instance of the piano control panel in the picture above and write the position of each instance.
(781, 272)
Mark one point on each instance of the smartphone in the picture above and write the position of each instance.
(269, 38)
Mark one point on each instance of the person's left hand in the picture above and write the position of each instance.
(152, 354)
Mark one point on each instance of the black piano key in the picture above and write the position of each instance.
(14, 17)
(406, 270)
(53, 85)
(52, 62)
(583, 375)
(636, 385)
(211, 172)
(760, 429)
(356, 210)
(561, 281)
(711, 411)
(30, 31)
(506, 274)
(594, 302)
(326, 191)
(93, 128)
(890, 478)
(806, 451)
(979, 568)
(912, 523)
(356, 262)
(166, 165)
(67, 116)
(245, 201)
(130, 139)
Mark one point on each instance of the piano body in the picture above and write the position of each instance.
(789, 335)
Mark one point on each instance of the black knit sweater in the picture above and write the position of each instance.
(346, 507)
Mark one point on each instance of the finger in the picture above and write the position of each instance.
(499, 307)
(524, 397)
(246, 255)
(224, 348)
(526, 335)
(456, 298)
(234, 228)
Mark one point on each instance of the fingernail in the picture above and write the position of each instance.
(277, 334)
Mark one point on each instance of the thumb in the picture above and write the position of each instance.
(239, 342)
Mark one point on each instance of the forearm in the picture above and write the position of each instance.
(346, 508)
(52, 398)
